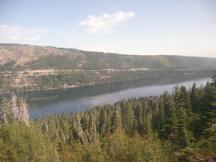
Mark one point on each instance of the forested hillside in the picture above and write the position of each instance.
(172, 127)
(13, 56)
(29, 67)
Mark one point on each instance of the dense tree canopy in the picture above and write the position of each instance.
(19, 143)
(172, 127)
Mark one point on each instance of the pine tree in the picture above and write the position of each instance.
(183, 113)
(169, 120)
(212, 112)
(193, 98)
(92, 128)
(128, 118)
(116, 121)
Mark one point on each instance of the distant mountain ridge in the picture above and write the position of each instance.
(18, 56)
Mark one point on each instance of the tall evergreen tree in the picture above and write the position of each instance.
(116, 121)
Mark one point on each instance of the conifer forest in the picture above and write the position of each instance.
(173, 127)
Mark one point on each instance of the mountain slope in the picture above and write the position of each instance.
(42, 68)
(39, 57)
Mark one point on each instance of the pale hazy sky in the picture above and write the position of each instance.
(179, 27)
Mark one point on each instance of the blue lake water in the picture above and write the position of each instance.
(82, 99)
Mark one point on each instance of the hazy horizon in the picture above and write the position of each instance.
(170, 27)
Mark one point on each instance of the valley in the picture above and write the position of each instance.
(31, 68)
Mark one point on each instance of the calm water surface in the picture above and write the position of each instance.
(68, 101)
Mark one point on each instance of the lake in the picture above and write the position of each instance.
(84, 98)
